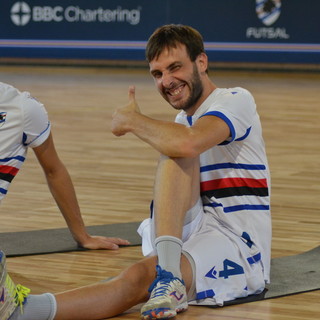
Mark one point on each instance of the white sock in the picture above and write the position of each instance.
(169, 254)
(37, 307)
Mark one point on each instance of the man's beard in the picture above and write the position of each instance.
(196, 89)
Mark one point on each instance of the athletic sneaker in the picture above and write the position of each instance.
(168, 297)
(11, 296)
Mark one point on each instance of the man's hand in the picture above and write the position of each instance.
(99, 242)
(123, 117)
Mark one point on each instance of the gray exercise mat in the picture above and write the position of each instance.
(289, 275)
(60, 240)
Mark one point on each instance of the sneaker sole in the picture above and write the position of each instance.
(163, 313)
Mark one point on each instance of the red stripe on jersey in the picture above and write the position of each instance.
(9, 170)
(233, 183)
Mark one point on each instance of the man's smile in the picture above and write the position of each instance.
(176, 90)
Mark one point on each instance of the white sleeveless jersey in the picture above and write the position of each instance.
(23, 123)
(235, 179)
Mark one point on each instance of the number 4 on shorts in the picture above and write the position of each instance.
(230, 268)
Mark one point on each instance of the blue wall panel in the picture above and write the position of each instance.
(285, 31)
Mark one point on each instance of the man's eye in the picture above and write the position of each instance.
(157, 75)
(175, 68)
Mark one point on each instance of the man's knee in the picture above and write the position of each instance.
(140, 275)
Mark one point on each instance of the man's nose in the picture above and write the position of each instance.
(167, 80)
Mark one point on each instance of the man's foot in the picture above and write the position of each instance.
(168, 297)
(11, 296)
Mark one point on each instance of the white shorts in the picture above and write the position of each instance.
(226, 268)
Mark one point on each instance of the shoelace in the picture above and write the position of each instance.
(19, 292)
(164, 286)
(162, 275)
(165, 278)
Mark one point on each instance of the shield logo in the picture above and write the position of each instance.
(268, 11)
(3, 116)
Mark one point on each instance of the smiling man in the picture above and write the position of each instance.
(211, 200)
(208, 238)
(173, 90)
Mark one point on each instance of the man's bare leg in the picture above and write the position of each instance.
(107, 299)
(177, 189)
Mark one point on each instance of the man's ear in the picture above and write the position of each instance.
(202, 61)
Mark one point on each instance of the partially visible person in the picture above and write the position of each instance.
(24, 124)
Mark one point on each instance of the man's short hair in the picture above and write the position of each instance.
(170, 36)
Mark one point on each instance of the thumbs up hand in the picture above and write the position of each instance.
(123, 117)
(132, 98)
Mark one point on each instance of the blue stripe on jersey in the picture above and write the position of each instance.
(255, 258)
(205, 294)
(189, 118)
(239, 139)
(213, 205)
(3, 191)
(24, 139)
(225, 119)
(239, 207)
(19, 158)
(245, 135)
(247, 239)
(230, 165)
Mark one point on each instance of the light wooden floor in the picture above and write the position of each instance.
(114, 176)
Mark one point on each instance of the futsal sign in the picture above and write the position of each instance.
(268, 11)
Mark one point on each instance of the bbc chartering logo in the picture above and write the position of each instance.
(22, 14)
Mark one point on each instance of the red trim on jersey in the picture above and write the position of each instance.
(233, 183)
(9, 170)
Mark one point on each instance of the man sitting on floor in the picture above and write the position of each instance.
(209, 235)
